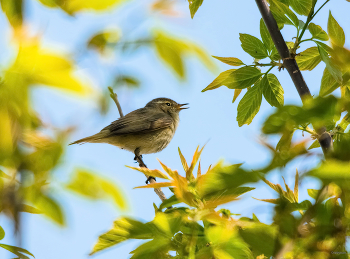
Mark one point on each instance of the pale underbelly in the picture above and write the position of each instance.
(147, 143)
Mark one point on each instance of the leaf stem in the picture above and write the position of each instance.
(309, 18)
(269, 70)
(320, 8)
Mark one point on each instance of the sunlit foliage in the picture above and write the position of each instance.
(192, 223)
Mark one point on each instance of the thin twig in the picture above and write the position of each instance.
(138, 158)
(114, 96)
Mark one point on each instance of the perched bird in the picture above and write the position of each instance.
(143, 131)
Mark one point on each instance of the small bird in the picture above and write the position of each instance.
(143, 131)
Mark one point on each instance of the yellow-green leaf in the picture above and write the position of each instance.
(328, 83)
(194, 5)
(236, 94)
(171, 53)
(72, 6)
(317, 32)
(314, 144)
(123, 229)
(189, 172)
(265, 36)
(149, 172)
(308, 59)
(249, 105)
(242, 78)
(170, 172)
(219, 80)
(20, 252)
(102, 40)
(296, 185)
(302, 7)
(335, 32)
(272, 90)
(253, 46)
(183, 161)
(41, 66)
(155, 185)
(13, 10)
(330, 65)
(332, 170)
(93, 186)
(230, 61)
(2, 233)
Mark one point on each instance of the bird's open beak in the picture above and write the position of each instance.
(179, 107)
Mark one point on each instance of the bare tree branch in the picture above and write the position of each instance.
(291, 65)
(138, 158)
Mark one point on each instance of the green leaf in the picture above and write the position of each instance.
(126, 80)
(124, 229)
(253, 46)
(332, 170)
(50, 208)
(236, 94)
(294, 206)
(335, 32)
(328, 83)
(221, 179)
(49, 3)
(104, 40)
(249, 105)
(313, 193)
(331, 67)
(169, 202)
(73, 6)
(302, 7)
(316, 111)
(283, 14)
(272, 90)
(13, 10)
(242, 78)
(255, 232)
(194, 5)
(95, 187)
(157, 247)
(230, 61)
(223, 195)
(17, 251)
(301, 25)
(2, 233)
(171, 53)
(50, 69)
(265, 36)
(317, 32)
(314, 144)
(29, 209)
(308, 59)
(219, 80)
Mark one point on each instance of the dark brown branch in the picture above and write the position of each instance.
(138, 158)
(291, 65)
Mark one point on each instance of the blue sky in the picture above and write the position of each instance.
(211, 118)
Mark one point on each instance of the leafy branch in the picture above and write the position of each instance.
(291, 65)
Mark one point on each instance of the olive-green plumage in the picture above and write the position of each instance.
(147, 130)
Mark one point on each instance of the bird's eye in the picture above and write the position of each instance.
(168, 104)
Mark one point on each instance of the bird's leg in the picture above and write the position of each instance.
(138, 158)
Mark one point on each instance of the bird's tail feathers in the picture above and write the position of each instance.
(91, 139)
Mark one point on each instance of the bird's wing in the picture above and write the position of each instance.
(139, 121)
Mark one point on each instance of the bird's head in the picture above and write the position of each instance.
(167, 105)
